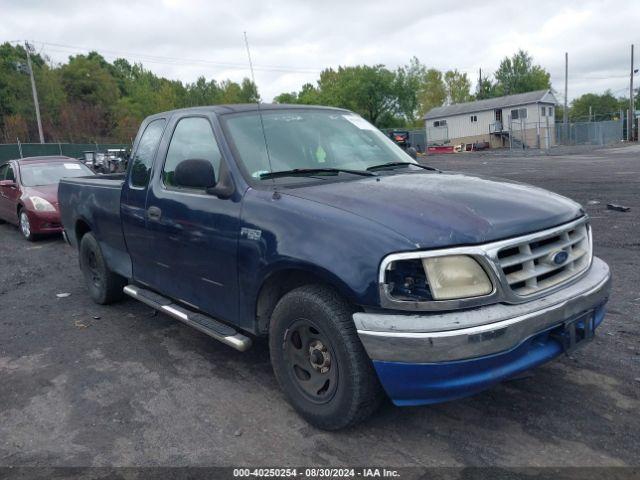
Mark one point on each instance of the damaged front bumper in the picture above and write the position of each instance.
(430, 358)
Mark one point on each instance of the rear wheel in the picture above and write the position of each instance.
(25, 225)
(104, 286)
(319, 361)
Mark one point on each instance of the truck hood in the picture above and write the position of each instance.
(444, 209)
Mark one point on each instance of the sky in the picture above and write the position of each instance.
(292, 41)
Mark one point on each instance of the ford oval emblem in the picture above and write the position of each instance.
(560, 257)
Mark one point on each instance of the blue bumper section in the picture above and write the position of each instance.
(425, 383)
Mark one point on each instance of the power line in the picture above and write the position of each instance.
(161, 59)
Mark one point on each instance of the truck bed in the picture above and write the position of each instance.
(93, 203)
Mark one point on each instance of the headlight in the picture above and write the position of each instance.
(41, 205)
(456, 276)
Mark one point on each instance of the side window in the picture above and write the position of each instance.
(192, 140)
(143, 158)
(10, 174)
(3, 171)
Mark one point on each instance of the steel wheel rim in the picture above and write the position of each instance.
(24, 225)
(311, 361)
(92, 271)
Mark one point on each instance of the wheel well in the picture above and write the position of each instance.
(275, 287)
(82, 227)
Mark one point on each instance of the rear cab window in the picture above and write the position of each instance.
(145, 153)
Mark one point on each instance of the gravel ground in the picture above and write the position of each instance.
(85, 385)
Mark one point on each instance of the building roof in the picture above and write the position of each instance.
(491, 104)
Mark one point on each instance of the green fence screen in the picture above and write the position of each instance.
(74, 150)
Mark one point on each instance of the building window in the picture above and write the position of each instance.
(519, 114)
(440, 123)
(551, 111)
(543, 111)
(474, 118)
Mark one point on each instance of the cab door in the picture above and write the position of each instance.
(194, 235)
(134, 198)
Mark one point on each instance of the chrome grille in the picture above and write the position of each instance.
(529, 266)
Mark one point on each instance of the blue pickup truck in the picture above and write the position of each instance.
(369, 273)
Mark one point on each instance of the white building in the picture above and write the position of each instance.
(523, 119)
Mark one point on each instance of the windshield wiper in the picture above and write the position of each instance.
(391, 165)
(313, 171)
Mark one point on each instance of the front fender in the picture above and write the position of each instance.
(287, 232)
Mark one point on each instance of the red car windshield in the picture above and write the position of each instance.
(37, 174)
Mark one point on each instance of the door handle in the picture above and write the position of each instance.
(154, 213)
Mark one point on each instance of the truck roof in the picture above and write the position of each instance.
(243, 107)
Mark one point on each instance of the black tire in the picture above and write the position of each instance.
(104, 286)
(351, 391)
(24, 225)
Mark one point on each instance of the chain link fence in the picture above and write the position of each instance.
(12, 151)
(590, 133)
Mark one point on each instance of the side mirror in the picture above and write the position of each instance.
(194, 173)
(412, 152)
(7, 183)
(225, 186)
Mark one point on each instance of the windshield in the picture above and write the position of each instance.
(37, 174)
(308, 139)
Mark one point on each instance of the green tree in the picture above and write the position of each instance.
(484, 89)
(287, 97)
(309, 95)
(408, 83)
(518, 74)
(87, 79)
(458, 87)
(433, 91)
(603, 107)
(367, 90)
(17, 112)
(248, 91)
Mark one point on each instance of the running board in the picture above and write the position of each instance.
(207, 325)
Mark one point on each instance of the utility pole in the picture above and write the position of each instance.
(34, 92)
(632, 107)
(565, 112)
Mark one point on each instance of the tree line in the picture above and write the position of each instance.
(401, 97)
(88, 99)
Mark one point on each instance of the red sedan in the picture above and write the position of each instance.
(29, 192)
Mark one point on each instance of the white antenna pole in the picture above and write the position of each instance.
(264, 133)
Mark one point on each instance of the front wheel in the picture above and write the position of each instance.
(104, 286)
(25, 225)
(319, 360)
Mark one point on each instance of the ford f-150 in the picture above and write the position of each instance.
(369, 272)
